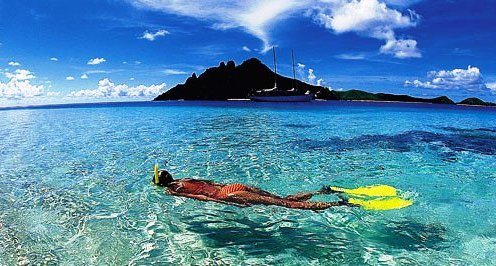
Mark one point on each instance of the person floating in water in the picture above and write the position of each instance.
(375, 197)
(239, 194)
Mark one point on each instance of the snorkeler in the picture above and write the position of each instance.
(239, 194)
(377, 197)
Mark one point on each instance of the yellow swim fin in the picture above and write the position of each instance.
(155, 173)
(381, 204)
(371, 191)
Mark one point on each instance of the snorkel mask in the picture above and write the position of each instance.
(161, 177)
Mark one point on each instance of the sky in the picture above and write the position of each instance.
(58, 51)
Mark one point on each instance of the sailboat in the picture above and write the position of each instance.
(281, 95)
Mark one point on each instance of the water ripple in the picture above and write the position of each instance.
(79, 193)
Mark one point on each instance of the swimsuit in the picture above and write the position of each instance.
(231, 188)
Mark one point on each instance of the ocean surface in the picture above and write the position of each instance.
(75, 183)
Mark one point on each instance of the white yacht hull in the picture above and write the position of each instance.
(287, 98)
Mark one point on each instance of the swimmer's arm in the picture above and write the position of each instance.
(205, 198)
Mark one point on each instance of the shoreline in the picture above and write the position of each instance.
(457, 104)
(147, 103)
(372, 101)
(462, 104)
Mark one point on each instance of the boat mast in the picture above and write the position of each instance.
(294, 73)
(275, 67)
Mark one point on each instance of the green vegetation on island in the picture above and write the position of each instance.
(476, 101)
(358, 95)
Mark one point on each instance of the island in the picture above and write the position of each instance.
(476, 101)
(228, 81)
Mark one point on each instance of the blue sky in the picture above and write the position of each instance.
(105, 50)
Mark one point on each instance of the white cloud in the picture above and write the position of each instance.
(19, 85)
(174, 72)
(491, 86)
(12, 63)
(54, 59)
(255, 16)
(107, 89)
(373, 19)
(311, 76)
(351, 56)
(401, 48)
(52, 93)
(469, 79)
(419, 84)
(84, 76)
(151, 36)
(20, 74)
(364, 16)
(246, 49)
(69, 78)
(370, 18)
(90, 72)
(300, 68)
(96, 61)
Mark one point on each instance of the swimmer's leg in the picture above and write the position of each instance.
(263, 192)
(302, 196)
(297, 197)
(307, 195)
(315, 205)
(247, 197)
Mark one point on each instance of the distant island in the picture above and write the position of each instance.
(228, 81)
(476, 101)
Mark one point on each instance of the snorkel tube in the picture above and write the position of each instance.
(155, 174)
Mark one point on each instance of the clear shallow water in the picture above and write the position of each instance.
(75, 183)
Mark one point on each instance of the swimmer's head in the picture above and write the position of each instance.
(164, 178)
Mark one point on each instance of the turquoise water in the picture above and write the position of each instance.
(75, 183)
